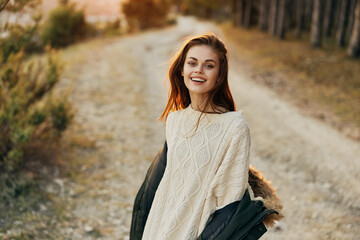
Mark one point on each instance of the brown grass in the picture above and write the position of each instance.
(324, 82)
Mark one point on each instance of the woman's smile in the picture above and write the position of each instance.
(198, 80)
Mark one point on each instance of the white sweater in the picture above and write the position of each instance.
(206, 170)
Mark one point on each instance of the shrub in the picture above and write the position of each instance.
(113, 28)
(64, 26)
(205, 8)
(21, 37)
(29, 116)
(142, 14)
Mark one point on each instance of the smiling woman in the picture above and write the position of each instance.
(201, 73)
(199, 186)
(203, 58)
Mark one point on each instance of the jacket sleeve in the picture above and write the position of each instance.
(218, 221)
(146, 193)
(245, 221)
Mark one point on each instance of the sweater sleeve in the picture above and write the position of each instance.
(230, 181)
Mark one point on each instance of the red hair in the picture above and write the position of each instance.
(219, 96)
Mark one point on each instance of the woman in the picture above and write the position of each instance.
(197, 191)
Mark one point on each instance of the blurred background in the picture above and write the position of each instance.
(83, 84)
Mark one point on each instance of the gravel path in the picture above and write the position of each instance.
(119, 92)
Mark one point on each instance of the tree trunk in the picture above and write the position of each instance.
(280, 29)
(316, 24)
(299, 18)
(289, 13)
(354, 45)
(336, 5)
(233, 11)
(247, 13)
(264, 15)
(328, 18)
(308, 14)
(351, 15)
(340, 32)
(273, 16)
(239, 12)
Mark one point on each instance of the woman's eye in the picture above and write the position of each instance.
(209, 66)
(191, 63)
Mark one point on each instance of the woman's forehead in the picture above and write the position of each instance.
(202, 53)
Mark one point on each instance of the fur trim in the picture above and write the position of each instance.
(262, 188)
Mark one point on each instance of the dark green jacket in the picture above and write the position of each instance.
(239, 220)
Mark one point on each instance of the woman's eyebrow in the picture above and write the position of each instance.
(207, 60)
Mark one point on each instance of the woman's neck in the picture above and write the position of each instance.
(198, 103)
(210, 108)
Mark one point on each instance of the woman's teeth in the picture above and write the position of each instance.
(198, 79)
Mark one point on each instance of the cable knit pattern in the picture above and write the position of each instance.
(207, 169)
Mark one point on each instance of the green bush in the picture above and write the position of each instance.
(142, 14)
(113, 28)
(29, 116)
(64, 26)
(21, 37)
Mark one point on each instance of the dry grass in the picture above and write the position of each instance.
(324, 82)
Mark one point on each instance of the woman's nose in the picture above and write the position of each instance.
(198, 69)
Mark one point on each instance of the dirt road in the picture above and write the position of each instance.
(118, 89)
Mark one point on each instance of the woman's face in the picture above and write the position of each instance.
(200, 71)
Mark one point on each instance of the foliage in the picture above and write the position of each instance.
(114, 27)
(205, 8)
(18, 5)
(64, 26)
(20, 37)
(29, 116)
(16, 36)
(142, 14)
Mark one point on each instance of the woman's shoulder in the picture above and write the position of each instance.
(238, 123)
(237, 117)
(173, 116)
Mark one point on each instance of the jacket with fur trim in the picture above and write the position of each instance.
(247, 218)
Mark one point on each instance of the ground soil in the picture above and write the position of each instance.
(117, 86)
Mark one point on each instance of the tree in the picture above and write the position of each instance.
(299, 18)
(264, 15)
(209, 8)
(274, 6)
(239, 12)
(328, 16)
(247, 13)
(309, 5)
(64, 26)
(342, 22)
(351, 19)
(354, 45)
(316, 31)
(142, 14)
(281, 19)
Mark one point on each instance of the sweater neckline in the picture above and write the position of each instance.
(195, 114)
(191, 110)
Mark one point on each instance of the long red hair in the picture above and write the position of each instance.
(219, 96)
